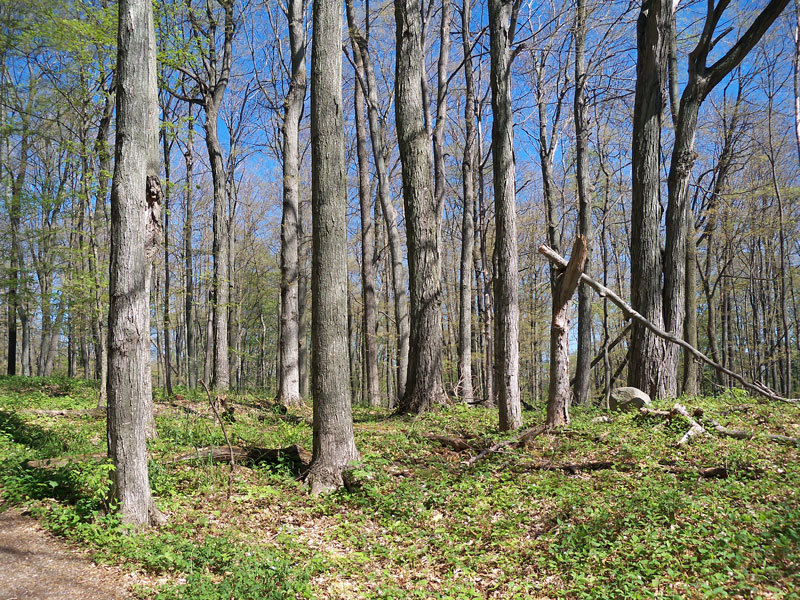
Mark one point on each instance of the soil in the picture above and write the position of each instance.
(35, 565)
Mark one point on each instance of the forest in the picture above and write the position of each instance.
(400, 299)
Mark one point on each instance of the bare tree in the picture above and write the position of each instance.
(289, 392)
(465, 389)
(424, 383)
(502, 25)
(334, 445)
(136, 198)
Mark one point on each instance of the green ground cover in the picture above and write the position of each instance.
(601, 510)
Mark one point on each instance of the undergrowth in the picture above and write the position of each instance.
(420, 523)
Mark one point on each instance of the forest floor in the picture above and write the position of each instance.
(603, 509)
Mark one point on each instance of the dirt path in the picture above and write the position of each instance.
(34, 565)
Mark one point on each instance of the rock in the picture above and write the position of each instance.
(628, 399)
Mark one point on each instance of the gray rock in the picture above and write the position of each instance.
(628, 399)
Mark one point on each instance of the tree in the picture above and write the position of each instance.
(502, 25)
(424, 383)
(136, 197)
(584, 204)
(654, 364)
(371, 387)
(334, 445)
(647, 352)
(289, 392)
(465, 389)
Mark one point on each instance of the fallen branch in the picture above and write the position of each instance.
(522, 439)
(695, 429)
(610, 347)
(584, 467)
(741, 434)
(630, 313)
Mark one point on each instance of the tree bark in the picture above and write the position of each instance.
(289, 349)
(584, 204)
(558, 397)
(648, 351)
(189, 309)
(506, 281)
(379, 154)
(334, 445)
(424, 382)
(136, 197)
(370, 389)
(465, 390)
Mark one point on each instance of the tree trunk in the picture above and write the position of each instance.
(302, 312)
(379, 154)
(167, 148)
(424, 382)
(289, 350)
(465, 390)
(189, 309)
(506, 280)
(566, 282)
(334, 445)
(647, 351)
(371, 389)
(690, 383)
(135, 228)
(583, 370)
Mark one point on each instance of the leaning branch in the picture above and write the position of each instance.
(630, 313)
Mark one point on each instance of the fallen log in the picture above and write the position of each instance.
(630, 313)
(600, 465)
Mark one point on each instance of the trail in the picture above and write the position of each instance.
(35, 565)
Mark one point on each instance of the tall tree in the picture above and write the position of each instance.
(465, 389)
(289, 392)
(702, 78)
(334, 445)
(379, 156)
(424, 382)
(136, 197)
(502, 23)
(647, 351)
(211, 73)
(583, 368)
(371, 387)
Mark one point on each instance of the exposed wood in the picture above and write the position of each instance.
(629, 313)
(695, 430)
(565, 284)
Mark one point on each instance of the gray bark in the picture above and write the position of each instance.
(289, 392)
(647, 351)
(424, 382)
(334, 445)
(465, 389)
(584, 357)
(702, 79)
(506, 284)
(377, 137)
(189, 309)
(135, 230)
(370, 388)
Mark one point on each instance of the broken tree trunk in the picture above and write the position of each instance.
(629, 313)
(566, 283)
